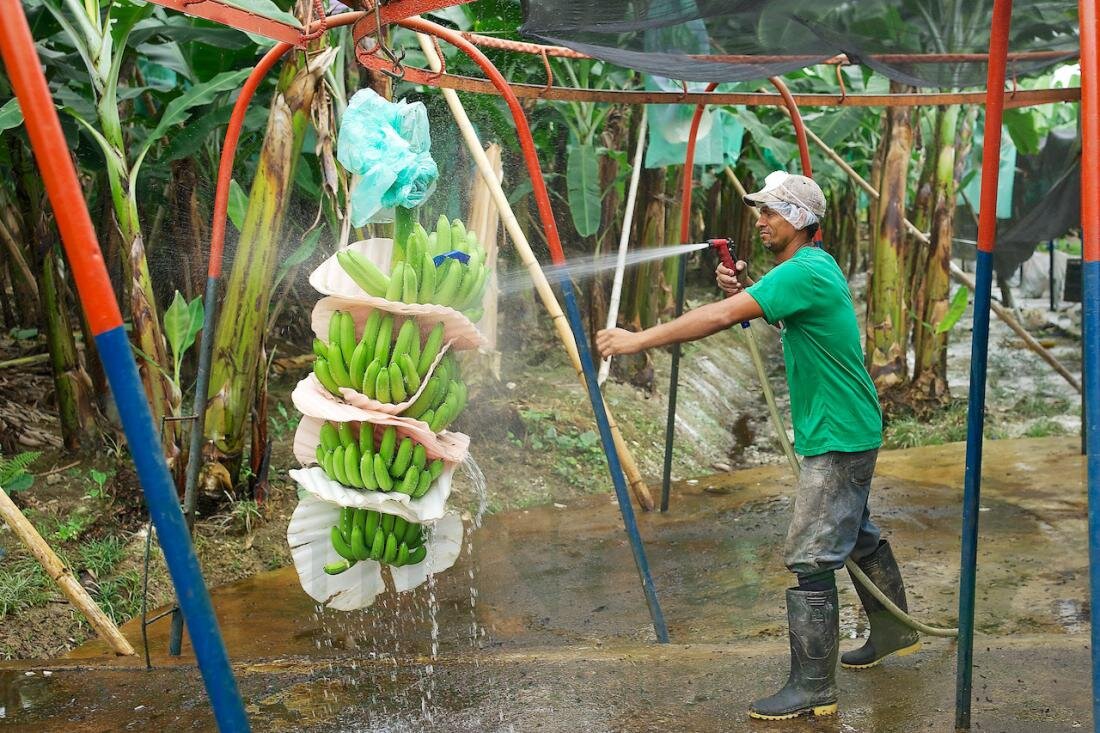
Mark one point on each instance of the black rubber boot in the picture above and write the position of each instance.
(888, 635)
(813, 620)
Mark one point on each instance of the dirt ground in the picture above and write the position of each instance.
(542, 624)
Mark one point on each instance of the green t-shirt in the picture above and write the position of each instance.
(834, 405)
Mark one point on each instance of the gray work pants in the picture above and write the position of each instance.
(831, 520)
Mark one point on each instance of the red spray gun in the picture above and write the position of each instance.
(722, 247)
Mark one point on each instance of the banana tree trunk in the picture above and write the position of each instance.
(930, 365)
(887, 311)
(240, 334)
(71, 383)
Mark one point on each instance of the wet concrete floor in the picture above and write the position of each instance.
(542, 625)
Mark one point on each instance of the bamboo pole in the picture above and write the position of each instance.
(61, 575)
(624, 237)
(538, 278)
(485, 220)
(956, 273)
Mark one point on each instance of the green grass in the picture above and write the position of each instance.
(23, 584)
(120, 596)
(948, 426)
(101, 556)
(1043, 428)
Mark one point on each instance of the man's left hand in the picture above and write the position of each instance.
(617, 341)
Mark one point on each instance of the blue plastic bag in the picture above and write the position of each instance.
(388, 145)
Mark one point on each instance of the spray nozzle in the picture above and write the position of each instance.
(722, 247)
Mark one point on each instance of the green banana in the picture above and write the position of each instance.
(432, 345)
(397, 384)
(330, 436)
(351, 466)
(370, 332)
(443, 234)
(428, 275)
(435, 468)
(327, 465)
(357, 367)
(382, 386)
(420, 456)
(334, 329)
(433, 244)
(366, 471)
(361, 551)
(423, 485)
(347, 521)
(336, 365)
(402, 555)
(343, 431)
(427, 416)
(400, 524)
(364, 272)
(382, 474)
(448, 282)
(458, 235)
(366, 438)
(370, 379)
(397, 282)
(321, 455)
(383, 340)
(347, 335)
(388, 445)
(424, 401)
(417, 556)
(373, 518)
(378, 546)
(474, 314)
(340, 544)
(335, 568)
(408, 334)
(441, 419)
(403, 458)
(319, 348)
(412, 534)
(324, 376)
(390, 553)
(411, 482)
(338, 466)
(410, 289)
(387, 522)
(408, 371)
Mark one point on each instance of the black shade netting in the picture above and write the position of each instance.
(742, 40)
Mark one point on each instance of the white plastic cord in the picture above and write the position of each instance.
(628, 219)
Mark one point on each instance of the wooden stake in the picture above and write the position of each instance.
(61, 575)
(542, 286)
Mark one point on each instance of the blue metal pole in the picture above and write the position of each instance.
(1089, 20)
(576, 325)
(979, 351)
(143, 439)
(673, 387)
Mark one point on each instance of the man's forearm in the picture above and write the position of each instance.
(702, 321)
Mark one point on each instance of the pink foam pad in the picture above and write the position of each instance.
(317, 405)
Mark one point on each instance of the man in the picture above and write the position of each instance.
(838, 430)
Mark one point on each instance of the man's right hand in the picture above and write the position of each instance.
(730, 281)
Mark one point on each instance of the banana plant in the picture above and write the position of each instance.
(98, 34)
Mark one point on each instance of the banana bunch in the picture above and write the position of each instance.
(416, 279)
(378, 365)
(364, 534)
(443, 398)
(391, 466)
